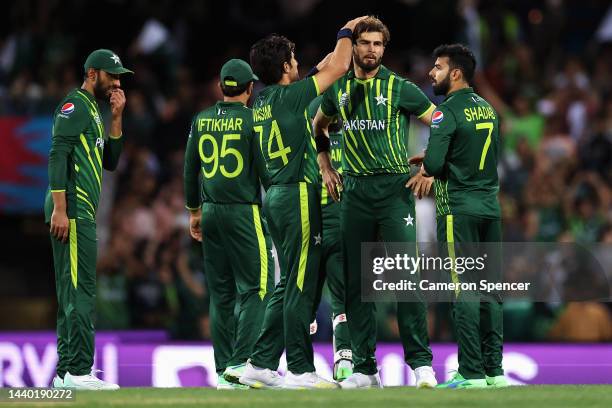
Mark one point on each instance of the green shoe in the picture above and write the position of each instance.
(499, 381)
(344, 369)
(343, 364)
(223, 384)
(233, 373)
(459, 382)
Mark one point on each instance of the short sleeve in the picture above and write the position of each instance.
(314, 106)
(328, 103)
(299, 94)
(413, 100)
(71, 119)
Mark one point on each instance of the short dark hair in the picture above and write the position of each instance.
(268, 56)
(459, 57)
(234, 90)
(372, 25)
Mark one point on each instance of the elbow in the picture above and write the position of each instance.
(345, 66)
(338, 66)
(341, 67)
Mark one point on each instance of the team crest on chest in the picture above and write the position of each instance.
(344, 99)
(96, 118)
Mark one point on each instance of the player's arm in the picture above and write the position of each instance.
(260, 164)
(67, 128)
(331, 178)
(425, 117)
(114, 146)
(61, 146)
(340, 59)
(414, 102)
(300, 94)
(441, 131)
(191, 185)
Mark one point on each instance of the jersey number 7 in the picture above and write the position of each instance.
(489, 127)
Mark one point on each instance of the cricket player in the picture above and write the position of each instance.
(222, 146)
(292, 206)
(462, 155)
(374, 104)
(79, 152)
(331, 258)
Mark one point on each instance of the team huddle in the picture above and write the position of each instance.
(330, 151)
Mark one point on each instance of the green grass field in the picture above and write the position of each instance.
(407, 397)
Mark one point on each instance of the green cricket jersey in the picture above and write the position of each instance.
(78, 154)
(222, 147)
(335, 149)
(462, 154)
(283, 130)
(375, 115)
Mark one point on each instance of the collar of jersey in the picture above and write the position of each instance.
(383, 73)
(230, 103)
(459, 92)
(89, 96)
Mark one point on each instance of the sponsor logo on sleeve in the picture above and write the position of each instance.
(437, 117)
(67, 108)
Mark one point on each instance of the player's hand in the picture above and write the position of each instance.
(417, 159)
(351, 24)
(60, 226)
(333, 182)
(420, 184)
(194, 225)
(117, 101)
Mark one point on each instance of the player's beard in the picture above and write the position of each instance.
(442, 87)
(367, 66)
(101, 91)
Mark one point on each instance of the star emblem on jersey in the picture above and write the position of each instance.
(409, 220)
(317, 239)
(380, 100)
(115, 58)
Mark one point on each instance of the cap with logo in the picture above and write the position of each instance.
(237, 72)
(107, 61)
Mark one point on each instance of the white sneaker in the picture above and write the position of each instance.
(223, 384)
(359, 380)
(425, 377)
(57, 382)
(307, 381)
(256, 377)
(88, 382)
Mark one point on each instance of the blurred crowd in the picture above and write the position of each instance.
(548, 79)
